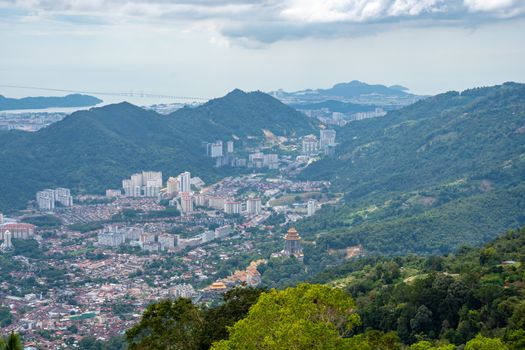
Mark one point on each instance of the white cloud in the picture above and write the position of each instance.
(266, 21)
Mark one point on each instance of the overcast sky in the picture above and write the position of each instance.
(206, 48)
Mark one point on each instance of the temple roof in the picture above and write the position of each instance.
(292, 235)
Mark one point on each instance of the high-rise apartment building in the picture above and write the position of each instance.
(229, 146)
(253, 205)
(186, 203)
(173, 186)
(312, 207)
(7, 244)
(310, 145)
(147, 184)
(232, 207)
(47, 199)
(327, 138)
(63, 196)
(185, 182)
(216, 149)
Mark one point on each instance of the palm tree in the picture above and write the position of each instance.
(12, 342)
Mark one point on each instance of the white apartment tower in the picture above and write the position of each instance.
(46, 199)
(8, 244)
(147, 183)
(186, 203)
(327, 138)
(310, 145)
(173, 186)
(232, 207)
(185, 182)
(229, 146)
(63, 196)
(216, 149)
(312, 207)
(253, 205)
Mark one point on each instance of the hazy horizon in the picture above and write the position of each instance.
(206, 49)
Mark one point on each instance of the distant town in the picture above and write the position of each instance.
(158, 236)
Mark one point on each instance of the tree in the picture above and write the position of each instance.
(166, 325)
(5, 317)
(483, 343)
(422, 320)
(426, 345)
(307, 316)
(236, 304)
(89, 343)
(12, 342)
(373, 340)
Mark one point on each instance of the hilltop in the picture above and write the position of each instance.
(91, 150)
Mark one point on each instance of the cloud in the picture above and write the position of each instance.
(254, 22)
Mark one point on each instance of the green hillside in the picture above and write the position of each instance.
(92, 150)
(448, 298)
(240, 113)
(429, 177)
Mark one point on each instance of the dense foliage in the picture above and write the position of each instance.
(178, 324)
(11, 342)
(427, 178)
(451, 298)
(305, 317)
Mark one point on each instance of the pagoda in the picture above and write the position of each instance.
(292, 244)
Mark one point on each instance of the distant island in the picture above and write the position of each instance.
(354, 92)
(73, 100)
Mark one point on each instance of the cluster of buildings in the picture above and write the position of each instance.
(261, 160)
(145, 184)
(251, 206)
(113, 236)
(48, 199)
(248, 277)
(10, 230)
(179, 189)
(28, 121)
(216, 149)
(326, 143)
(224, 156)
(341, 119)
(205, 237)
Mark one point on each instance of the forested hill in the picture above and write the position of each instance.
(74, 100)
(447, 298)
(92, 150)
(442, 172)
(240, 113)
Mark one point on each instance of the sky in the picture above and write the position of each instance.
(205, 48)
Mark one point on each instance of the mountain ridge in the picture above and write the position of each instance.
(94, 149)
(406, 174)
